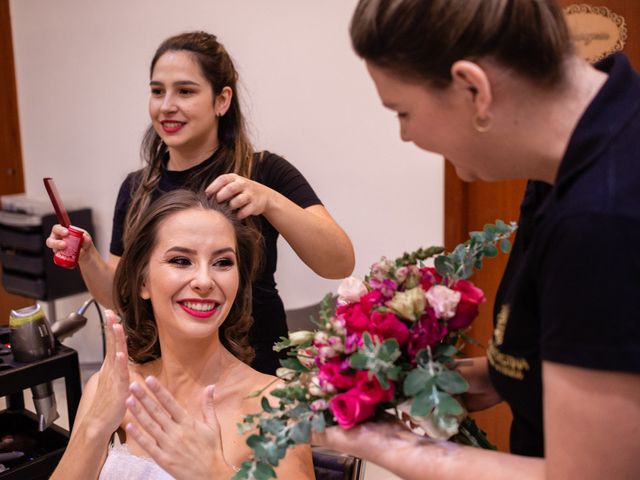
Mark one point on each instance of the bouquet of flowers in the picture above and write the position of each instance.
(389, 343)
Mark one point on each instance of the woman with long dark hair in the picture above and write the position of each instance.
(197, 140)
(183, 292)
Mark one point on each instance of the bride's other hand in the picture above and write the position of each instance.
(183, 446)
(108, 406)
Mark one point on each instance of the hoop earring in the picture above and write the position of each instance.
(482, 124)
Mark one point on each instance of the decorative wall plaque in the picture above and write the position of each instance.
(596, 31)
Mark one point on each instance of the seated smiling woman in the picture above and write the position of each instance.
(183, 290)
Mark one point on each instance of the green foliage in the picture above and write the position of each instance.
(467, 257)
(417, 256)
(429, 382)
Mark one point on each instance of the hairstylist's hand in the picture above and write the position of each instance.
(56, 239)
(183, 446)
(108, 407)
(364, 437)
(245, 196)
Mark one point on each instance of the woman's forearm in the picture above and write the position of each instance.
(84, 455)
(98, 276)
(313, 234)
(418, 458)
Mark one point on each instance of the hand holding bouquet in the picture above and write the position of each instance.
(389, 344)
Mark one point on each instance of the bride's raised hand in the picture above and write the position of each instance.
(185, 447)
(108, 406)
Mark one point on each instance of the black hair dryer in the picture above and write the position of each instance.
(31, 341)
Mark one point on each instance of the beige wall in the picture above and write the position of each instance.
(82, 72)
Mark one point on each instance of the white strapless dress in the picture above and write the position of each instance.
(120, 464)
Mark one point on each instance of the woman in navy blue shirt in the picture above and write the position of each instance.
(496, 87)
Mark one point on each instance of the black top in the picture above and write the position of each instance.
(571, 290)
(268, 311)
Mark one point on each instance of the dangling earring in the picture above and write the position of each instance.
(482, 124)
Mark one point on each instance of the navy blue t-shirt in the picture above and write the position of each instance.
(279, 175)
(571, 290)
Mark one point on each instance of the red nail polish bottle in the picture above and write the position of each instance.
(68, 258)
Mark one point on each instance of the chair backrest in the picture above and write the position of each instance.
(300, 318)
(331, 465)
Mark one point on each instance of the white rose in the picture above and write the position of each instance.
(350, 290)
(285, 373)
(443, 300)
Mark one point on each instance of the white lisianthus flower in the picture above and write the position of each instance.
(409, 304)
(427, 424)
(350, 290)
(443, 300)
(300, 337)
(285, 373)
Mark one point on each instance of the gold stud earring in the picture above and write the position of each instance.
(482, 124)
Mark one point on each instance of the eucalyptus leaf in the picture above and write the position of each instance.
(490, 250)
(368, 341)
(265, 405)
(301, 432)
(505, 245)
(448, 405)
(264, 472)
(452, 382)
(318, 422)
(443, 265)
(423, 403)
(415, 382)
(445, 351)
(358, 361)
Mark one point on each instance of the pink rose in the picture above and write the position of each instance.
(370, 389)
(370, 300)
(349, 409)
(355, 319)
(426, 332)
(387, 325)
(443, 300)
(350, 290)
(470, 298)
(333, 372)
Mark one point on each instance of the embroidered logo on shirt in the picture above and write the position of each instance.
(508, 365)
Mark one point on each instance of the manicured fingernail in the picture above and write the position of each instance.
(211, 390)
(135, 388)
(131, 428)
(131, 402)
(151, 381)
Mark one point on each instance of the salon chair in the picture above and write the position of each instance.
(331, 465)
(300, 318)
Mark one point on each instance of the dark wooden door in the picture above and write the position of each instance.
(11, 173)
(468, 206)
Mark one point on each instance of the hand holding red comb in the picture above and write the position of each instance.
(67, 258)
(61, 212)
